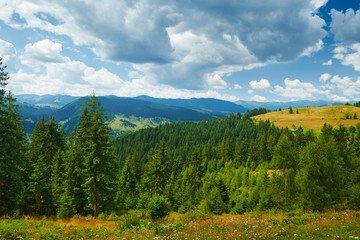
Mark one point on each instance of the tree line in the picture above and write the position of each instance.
(222, 165)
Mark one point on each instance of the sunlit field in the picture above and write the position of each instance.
(313, 117)
(192, 225)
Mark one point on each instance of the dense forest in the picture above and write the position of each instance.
(220, 165)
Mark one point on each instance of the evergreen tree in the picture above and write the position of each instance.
(284, 159)
(291, 110)
(156, 172)
(12, 150)
(99, 164)
(320, 176)
(46, 141)
(126, 197)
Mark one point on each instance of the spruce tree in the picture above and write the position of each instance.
(97, 155)
(46, 141)
(12, 151)
(126, 197)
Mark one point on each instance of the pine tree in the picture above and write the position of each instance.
(284, 159)
(291, 110)
(46, 141)
(156, 172)
(126, 197)
(99, 163)
(320, 176)
(12, 150)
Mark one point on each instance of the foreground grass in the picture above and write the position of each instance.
(193, 225)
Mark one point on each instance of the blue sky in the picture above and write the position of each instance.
(279, 50)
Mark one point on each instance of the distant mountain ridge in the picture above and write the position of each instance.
(211, 105)
(142, 111)
(49, 100)
(125, 110)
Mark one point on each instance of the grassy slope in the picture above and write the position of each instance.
(313, 117)
(124, 123)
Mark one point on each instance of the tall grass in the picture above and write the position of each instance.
(193, 225)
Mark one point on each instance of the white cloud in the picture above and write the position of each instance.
(42, 53)
(102, 78)
(215, 81)
(346, 26)
(324, 77)
(297, 89)
(328, 63)
(348, 87)
(258, 98)
(349, 55)
(134, 74)
(179, 43)
(250, 91)
(262, 84)
(313, 49)
(237, 86)
(337, 98)
(7, 50)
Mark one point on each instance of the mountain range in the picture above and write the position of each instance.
(128, 114)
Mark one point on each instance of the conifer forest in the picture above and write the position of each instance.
(221, 165)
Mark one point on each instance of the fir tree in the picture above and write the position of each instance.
(127, 188)
(12, 150)
(99, 164)
(46, 141)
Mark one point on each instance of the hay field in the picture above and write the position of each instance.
(313, 117)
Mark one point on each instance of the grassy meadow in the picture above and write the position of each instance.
(192, 225)
(313, 117)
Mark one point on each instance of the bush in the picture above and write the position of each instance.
(158, 207)
(130, 221)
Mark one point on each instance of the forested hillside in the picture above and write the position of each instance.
(218, 165)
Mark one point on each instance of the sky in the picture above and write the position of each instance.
(258, 50)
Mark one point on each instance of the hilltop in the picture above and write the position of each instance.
(313, 117)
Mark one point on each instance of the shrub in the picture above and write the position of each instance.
(130, 221)
(158, 207)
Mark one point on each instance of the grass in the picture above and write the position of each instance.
(193, 225)
(132, 123)
(313, 117)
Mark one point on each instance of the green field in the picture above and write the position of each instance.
(192, 225)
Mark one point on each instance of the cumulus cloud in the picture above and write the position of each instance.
(328, 63)
(348, 87)
(41, 53)
(189, 44)
(262, 84)
(7, 50)
(324, 77)
(237, 86)
(258, 98)
(59, 74)
(297, 89)
(349, 55)
(337, 98)
(350, 19)
(102, 78)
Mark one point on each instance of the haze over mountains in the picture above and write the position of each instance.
(129, 114)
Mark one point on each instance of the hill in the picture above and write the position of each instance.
(210, 105)
(127, 114)
(313, 117)
(47, 100)
(284, 105)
